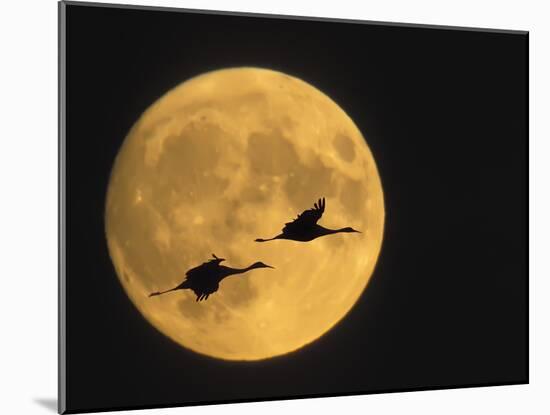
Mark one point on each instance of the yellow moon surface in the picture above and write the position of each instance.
(220, 160)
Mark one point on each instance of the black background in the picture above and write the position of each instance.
(445, 115)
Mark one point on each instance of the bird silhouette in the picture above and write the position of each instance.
(304, 228)
(205, 279)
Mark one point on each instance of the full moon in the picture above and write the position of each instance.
(220, 160)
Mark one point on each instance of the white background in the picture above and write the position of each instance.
(28, 194)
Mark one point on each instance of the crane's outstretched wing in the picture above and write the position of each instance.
(202, 272)
(195, 273)
(201, 280)
(307, 218)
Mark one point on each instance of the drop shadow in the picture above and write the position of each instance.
(48, 403)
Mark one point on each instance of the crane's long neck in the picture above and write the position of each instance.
(326, 231)
(234, 271)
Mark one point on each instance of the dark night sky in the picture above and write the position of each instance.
(445, 113)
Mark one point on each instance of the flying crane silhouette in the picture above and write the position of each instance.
(304, 228)
(205, 279)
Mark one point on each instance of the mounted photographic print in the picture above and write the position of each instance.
(258, 207)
